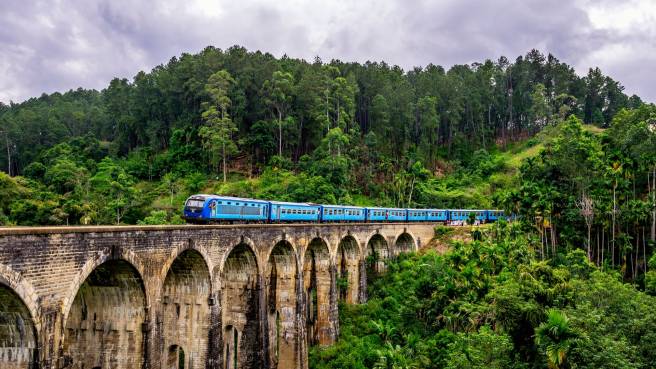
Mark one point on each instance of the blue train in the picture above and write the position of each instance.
(226, 209)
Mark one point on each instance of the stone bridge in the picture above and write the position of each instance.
(162, 297)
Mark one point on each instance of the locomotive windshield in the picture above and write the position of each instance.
(195, 203)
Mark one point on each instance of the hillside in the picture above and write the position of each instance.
(289, 129)
(495, 304)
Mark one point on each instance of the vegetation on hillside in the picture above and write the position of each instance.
(495, 303)
(284, 129)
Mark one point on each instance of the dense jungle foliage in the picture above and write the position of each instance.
(495, 304)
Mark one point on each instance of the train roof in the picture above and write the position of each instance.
(232, 198)
(343, 206)
(383, 208)
(293, 203)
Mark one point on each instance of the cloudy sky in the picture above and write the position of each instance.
(56, 45)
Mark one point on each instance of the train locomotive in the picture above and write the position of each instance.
(203, 208)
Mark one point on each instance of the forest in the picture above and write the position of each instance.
(573, 157)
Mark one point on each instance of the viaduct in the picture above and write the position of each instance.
(184, 297)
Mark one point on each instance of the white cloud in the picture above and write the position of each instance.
(59, 45)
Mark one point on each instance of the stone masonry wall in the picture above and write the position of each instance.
(161, 297)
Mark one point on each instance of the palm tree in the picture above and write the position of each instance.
(555, 337)
(394, 357)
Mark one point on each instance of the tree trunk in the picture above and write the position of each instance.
(612, 242)
(589, 244)
(412, 187)
(8, 154)
(225, 171)
(603, 246)
(644, 248)
(652, 235)
(279, 133)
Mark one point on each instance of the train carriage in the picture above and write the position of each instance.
(438, 215)
(211, 208)
(494, 215)
(338, 213)
(462, 215)
(294, 212)
(418, 215)
(386, 215)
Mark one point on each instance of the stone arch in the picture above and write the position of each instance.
(404, 243)
(221, 264)
(104, 325)
(91, 265)
(21, 287)
(240, 305)
(185, 315)
(18, 332)
(317, 281)
(280, 277)
(178, 251)
(347, 262)
(377, 253)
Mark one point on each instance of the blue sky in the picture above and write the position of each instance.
(57, 45)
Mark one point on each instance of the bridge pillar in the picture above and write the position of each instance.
(333, 317)
(362, 295)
